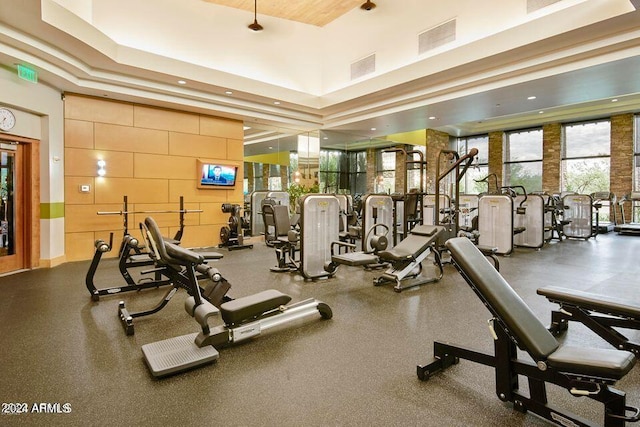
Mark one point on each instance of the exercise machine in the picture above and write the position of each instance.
(406, 258)
(378, 220)
(320, 214)
(132, 255)
(243, 318)
(408, 205)
(578, 212)
(285, 239)
(232, 235)
(600, 313)
(586, 372)
(529, 216)
(632, 228)
(256, 198)
(448, 184)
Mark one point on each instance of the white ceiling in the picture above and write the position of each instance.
(575, 57)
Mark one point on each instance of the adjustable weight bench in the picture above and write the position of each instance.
(407, 256)
(589, 372)
(600, 313)
(243, 318)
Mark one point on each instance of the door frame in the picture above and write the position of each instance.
(30, 179)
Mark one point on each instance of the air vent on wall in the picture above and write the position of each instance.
(437, 36)
(363, 67)
(533, 5)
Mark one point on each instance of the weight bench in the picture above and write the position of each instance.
(353, 258)
(243, 318)
(407, 256)
(600, 313)
(589, 372)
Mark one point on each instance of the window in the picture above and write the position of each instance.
(480, 168)
(523, 159)
(275, 181)
(585, 157)
(358, 172)
(330, 162)
(386, 173)
(413, 171)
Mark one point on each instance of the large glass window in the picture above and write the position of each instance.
(413, 170)
(480, 168)
(358, 172)
(523, 159)
(386, 174)
(585, 157)
(330, 161)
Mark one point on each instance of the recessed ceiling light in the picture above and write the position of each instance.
(326, 137)
(270, 148)
(540, 112)
(432, 117)
(228, 92)
(276, 102)
(246, 127)
(182, 82)
(614, 100)
(531, 97)
(373, 129)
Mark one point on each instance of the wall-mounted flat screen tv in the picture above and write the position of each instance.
(216, 175)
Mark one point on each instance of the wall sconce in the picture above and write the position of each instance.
(297, 177)
(101, 168)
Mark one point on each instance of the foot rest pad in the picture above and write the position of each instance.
(177, 354)
(246, 308)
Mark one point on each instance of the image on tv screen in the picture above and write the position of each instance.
(218, 175)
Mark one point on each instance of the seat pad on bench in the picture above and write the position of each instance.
(597, 362)
(249, 307)
(355, 258)
(589, 301)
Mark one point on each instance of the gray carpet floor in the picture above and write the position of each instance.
(357, 369)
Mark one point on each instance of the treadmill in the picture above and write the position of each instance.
(632, 228)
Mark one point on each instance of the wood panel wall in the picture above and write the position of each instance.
(150, 156)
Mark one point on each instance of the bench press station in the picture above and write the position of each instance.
(243, 318)
(600, 313)
(589, 372)
(407, 256)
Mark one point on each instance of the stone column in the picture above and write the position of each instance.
(551, 157)
(621, 166)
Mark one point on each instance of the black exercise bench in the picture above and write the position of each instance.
(589, 372)
(407, 256)
(600, 313)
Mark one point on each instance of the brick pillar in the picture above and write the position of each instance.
(551, 157)
(621, 167)
(265, 175)
(436, 141)
(250, 176)
(401, 170)
(496, 144)
(284, 176)
(371, 170)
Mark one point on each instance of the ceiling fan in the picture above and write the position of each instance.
(368, 5)
(255, 26)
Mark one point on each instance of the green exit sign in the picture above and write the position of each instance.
(28, 74)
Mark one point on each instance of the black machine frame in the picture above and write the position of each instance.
(510, 330)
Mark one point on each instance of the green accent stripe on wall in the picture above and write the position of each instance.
(51, 210)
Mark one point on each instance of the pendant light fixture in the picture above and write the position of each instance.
(368, 5)
(255, 26)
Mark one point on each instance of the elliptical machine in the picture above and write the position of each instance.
(232, 235)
